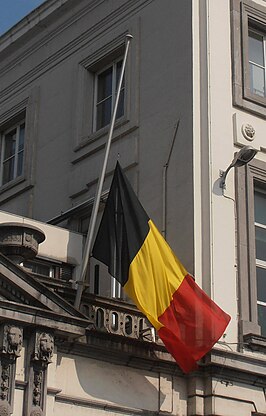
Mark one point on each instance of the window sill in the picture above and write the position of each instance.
(13, 188)
(11, 184)
(96, 141)
(248, 103)
(255, 342)
(256, 99)
(100, 133)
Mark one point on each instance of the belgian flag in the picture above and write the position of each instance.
(188, 322)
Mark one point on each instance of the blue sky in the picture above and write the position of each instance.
(12, 11)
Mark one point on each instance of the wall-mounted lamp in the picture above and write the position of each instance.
(245, 155)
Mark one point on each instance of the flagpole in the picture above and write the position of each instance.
(97, 198)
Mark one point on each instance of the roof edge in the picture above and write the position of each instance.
(29, 21)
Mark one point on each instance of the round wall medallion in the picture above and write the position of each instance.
(248, 131)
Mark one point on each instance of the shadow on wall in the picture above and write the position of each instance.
(118, 385)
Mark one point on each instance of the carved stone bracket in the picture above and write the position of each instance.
(11, 338)
(42, 348)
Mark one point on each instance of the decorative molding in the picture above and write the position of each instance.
(14, 293)
(20, 241)
(91, 62)
(10, 113)
(255, 343)
(108, 407)
(81, 41)
(124, 128)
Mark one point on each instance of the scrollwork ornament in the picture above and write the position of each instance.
(37, 391)
(5, 376)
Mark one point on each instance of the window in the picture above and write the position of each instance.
(248, 55)
(256, 55)
(19, 128)
(106, 83)
(45, 269)
(260, 240)
(251, 245)
(97, 79)
(12, 153)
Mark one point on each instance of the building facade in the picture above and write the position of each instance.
(193, 95)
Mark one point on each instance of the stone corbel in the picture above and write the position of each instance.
(11, 338)
(41, 349)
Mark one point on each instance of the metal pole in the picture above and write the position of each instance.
(165, 181)
(96, 204)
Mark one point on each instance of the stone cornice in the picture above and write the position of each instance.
(32, 316)
(28, 22)
(79, 42)
(228, 366)
(236, 365)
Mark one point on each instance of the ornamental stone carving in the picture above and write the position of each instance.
(248, 131)
(14, 340)
(5, 379)
(20, 241)
(11, 338)
(44, 347)
(36, 412)
(4, 408)
(41, 348)
(11, 341)
(37, 390)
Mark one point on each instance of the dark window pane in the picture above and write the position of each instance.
(21, 137)
(10, 144)
(104, 84)
(104, 113)
(257, 80)
(20, 163)
(8, 170)
(255, 46)
(120, 108)
(262, 319)
(118, 72)
(260, 243)
(260, 207)
(261, 284)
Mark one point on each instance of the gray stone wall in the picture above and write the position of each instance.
(48, 73)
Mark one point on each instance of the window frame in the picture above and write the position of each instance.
(16, 126)
(245, 14)
(85, 140)
(112, 64)
(253, 95)
(248, 179)
(24, 107)
(261, 264)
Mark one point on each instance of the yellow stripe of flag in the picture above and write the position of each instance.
(154, 275)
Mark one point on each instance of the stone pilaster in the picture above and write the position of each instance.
(41, 347)
(11, 338)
